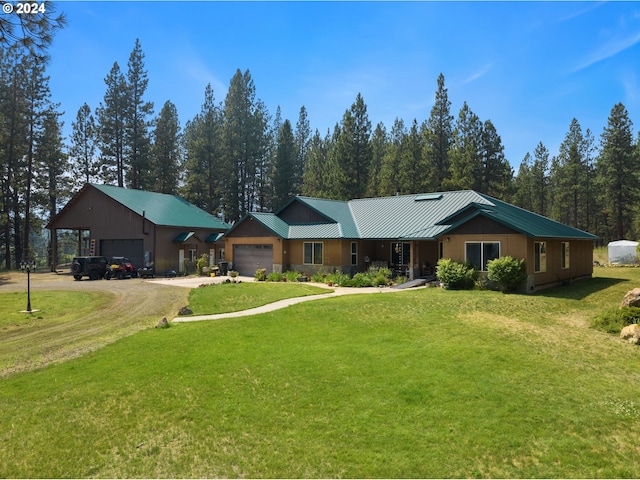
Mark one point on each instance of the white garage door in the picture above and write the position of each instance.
(249, 258)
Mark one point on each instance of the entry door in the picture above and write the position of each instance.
(181, 261)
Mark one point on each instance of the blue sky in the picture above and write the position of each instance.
(529, 67)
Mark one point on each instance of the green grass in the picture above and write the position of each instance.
(232, 297)
(53, 307)
(25, 338)
(421, 383)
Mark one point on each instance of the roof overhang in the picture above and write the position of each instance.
(183, 237)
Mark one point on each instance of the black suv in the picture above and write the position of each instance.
(92, 267)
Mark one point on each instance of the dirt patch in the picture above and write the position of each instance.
(133, 304)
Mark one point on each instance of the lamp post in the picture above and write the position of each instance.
(27, 267)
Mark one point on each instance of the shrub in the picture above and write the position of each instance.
(318, 277)
(261, 274)
(508, 272)
(455, 275)
(339, 278)
(380, 280)
(274, 277)
(614, 320)
(359, 280)
(202, 262)
(291, 276)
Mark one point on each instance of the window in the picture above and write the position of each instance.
(478, 254)
(354, 253)
(192, 255)
(540, 257)
(312, 253)
(565, 255)
(400, 253)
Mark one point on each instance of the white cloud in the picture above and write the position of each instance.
(609, 49)
(478, 74)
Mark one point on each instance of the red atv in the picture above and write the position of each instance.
(121, 267)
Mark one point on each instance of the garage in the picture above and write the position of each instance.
(249, 258)
(131, 248)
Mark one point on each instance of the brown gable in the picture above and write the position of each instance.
(297, 213)
(482, 225)
(249, 227)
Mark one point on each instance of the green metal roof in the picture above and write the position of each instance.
(413, 217)
(183, 237)
(529, 223)
(337, 211)
(162, 209)
(278, 226)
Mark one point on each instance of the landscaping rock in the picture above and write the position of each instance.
(163, 323)
(185, 311)
(631, 333)
(631, 299)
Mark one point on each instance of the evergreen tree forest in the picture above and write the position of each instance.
(234, 157)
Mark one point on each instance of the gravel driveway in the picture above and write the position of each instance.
(136, 304)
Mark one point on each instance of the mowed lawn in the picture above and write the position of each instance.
(419, 383)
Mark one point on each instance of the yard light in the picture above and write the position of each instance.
(27, 267)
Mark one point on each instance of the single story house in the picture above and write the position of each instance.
(152, 229)
(409, 234)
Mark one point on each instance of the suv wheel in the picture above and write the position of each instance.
(76, 268)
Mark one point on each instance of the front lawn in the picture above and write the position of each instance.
(414, 384)
(232, 297)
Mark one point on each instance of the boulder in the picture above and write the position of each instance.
(631, 299)
(163, 323)
(631, 333)
(185, 311)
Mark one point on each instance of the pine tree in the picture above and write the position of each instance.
(390, 182)
(166, 153)
(302, 141)
(204, 149)
(540, 179)
(53, 184)
(569, 176)
(38, 102)
(138, 112)
(497, 174)
(412, 170)
(315, 171)
(353, 149)
(523, 185)
(617, 170)
(284, 182)
(112, 118)
(439, 138)
(83, 147)
(245, 146)
(33, 32)
(15, 130)
(465, 154)
(379, 144)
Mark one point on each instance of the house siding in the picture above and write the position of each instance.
(581, 262)
(107, 219)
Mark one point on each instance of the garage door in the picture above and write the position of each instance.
(133, 249)
(249, 258)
